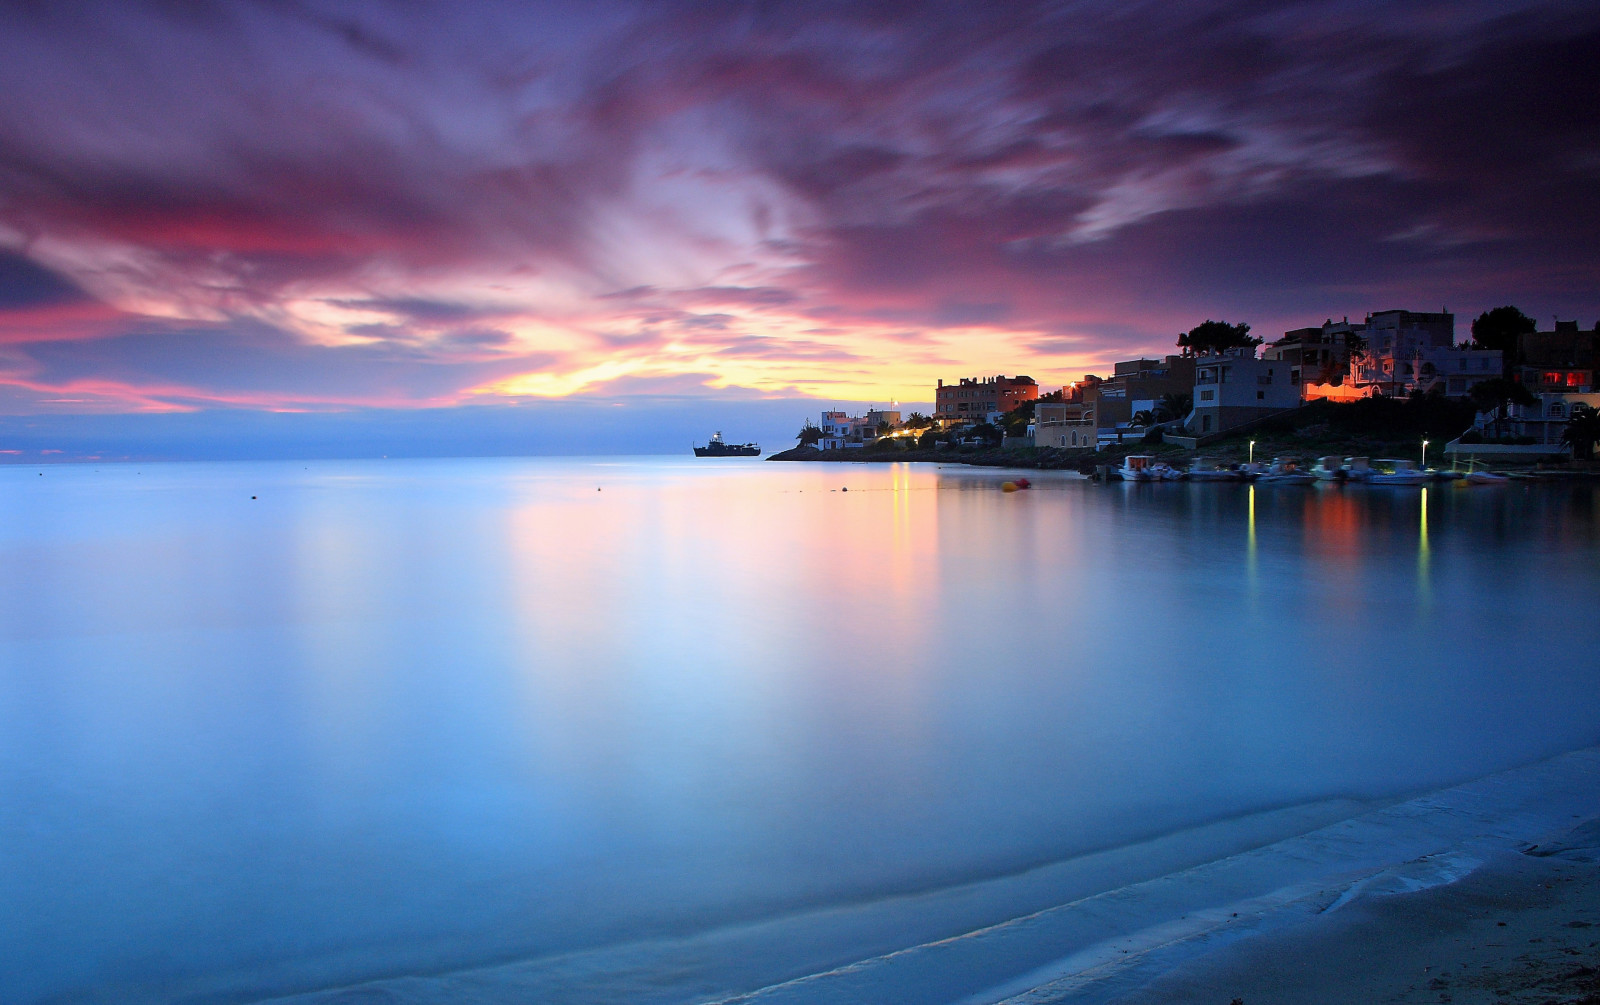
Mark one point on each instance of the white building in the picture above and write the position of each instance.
(842, 431)
(1426, 368)
(1235, 387)
(1543, 421)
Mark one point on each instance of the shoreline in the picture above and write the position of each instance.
(1053, 459)
(1245, 919)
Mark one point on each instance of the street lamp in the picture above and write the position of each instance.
(1424, 455)
(1252, 451)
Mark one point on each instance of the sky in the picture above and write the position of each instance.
(708, 208)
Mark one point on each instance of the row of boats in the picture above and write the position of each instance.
(1287, 471)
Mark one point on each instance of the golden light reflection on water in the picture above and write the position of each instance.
(1252, 551)
(1423, 585)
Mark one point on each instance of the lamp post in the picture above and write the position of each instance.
(1252, 451)
(1424, 455)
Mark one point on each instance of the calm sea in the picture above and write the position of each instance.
(272, 728)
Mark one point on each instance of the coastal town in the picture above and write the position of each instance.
(1508, 395)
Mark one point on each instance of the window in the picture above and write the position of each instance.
(1556, 411)
(1261, 395)
(1207, 395)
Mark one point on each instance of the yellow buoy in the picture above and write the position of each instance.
(1008, 486)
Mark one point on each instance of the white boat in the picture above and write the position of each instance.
(1203, 469)
(1328, 469)
(1476, 477)
(1286, 471)
(1138, 468)
(1145, 468)
(1400, 472)
(1357, 469)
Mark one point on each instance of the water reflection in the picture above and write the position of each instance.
(457, 711)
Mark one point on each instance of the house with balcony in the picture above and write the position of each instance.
(981, 399)
(1543, 421)
(843, 431)
(1235, 387)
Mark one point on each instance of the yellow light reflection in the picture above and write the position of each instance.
(1422, 550)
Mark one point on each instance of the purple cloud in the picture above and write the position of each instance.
(497, 186)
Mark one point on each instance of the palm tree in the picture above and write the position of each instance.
(1173, 406)
(1144, 418)
(1582, 431)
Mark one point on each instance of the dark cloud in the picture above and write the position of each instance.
(250, 364)
(25, 284)
(1110, 172)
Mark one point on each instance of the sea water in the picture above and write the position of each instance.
(667, 729)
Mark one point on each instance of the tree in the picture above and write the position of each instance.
(1495, 393)
(928, 439)
(1015, 422)
(985, 432)
(1173, 406)
(916, 420)
(1582, 431)
(884, 428)
(1502, 328)
(1144, 418)
(1216, 336)
(809, 434)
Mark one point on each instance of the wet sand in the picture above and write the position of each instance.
(1524, 928)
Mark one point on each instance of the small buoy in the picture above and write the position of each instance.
(252, 497)
(1008, 486)
(844, 490)
(1023, 483)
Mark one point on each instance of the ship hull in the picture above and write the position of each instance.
(727, 452)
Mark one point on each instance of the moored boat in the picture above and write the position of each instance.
(1358, 469)
(1203, 469)
(1328, 469)
(1286, 471)
(1138, 468)
(1399, 472)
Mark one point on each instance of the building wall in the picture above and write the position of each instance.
(1544, 420)
(1423, 368)
(976, 399)
(1112, 401)
(1236, 387)
(1077, 435)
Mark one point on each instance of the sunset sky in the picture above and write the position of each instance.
(298, 206)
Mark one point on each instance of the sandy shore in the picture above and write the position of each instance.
(1523, 928)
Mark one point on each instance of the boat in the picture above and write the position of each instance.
(1286, 471)
(1203, 469)
(1357, 469)
(1328, 469)
(1137, 468)
(718, 447)
(1400, 472)
(1476, 477)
